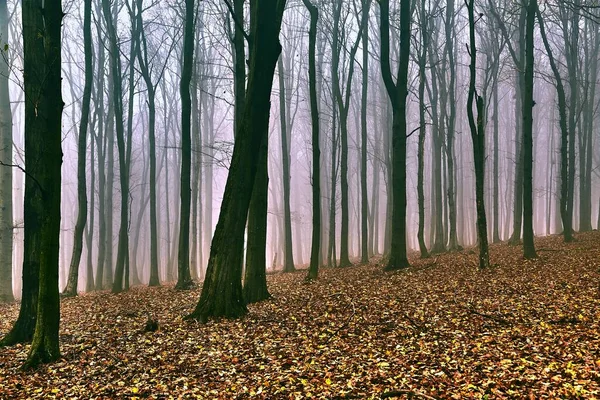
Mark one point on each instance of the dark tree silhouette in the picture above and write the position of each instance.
(184, 278)
(313, 270)
(478, 138)
(42, 22)
(397, 93)
(222, 290)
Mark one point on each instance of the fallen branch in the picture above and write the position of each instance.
(410, 393)
(552, 250)
(501, 321)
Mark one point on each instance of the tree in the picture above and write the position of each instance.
(6, 190)
(313, 270)
(364, 214)
(342, 98)
(397, 93)
(142, 57)
(42, 23)
(184, 279)
(288, 260)
(478, 139)
(451, 124)
(82, 203)
(222, 290)
(422, 129)
(528, 103)
(117, 99)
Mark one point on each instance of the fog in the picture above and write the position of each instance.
(213, 122)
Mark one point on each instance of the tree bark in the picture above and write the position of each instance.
(42, 22)
(255, 277)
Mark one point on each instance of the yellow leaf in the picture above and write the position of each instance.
(134, 389)
(328, 381)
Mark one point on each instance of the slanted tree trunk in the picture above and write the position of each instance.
(6, 190)
(478, 138)
(42, 22)
(313, 270)
(397, 93)
(71, 289)
(528, 103)
(184, 279)
(222, 294)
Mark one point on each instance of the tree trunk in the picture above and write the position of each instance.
(397, 93)
(101, 145)
(222, 290)
(288, 261)
(564, 134)
(115, 66)
(478, 138)
(42, 24)
(255, 277)
(71, 289)
(422, 130)
(331, 252)
(571, 56)
(313, 270)
(184, 279)
(89, 234)
(6, 157)
(451, 177)
(528, 103)
(364, 231)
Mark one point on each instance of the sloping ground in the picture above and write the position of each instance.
(524, 329)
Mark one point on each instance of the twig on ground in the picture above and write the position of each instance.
(501, 321)
(410, 393)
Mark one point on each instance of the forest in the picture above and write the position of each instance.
(335, 199)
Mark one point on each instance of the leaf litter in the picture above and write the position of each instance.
(440, 329)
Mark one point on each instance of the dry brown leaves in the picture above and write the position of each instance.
(523, 329)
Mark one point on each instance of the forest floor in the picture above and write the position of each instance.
(440, 329)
